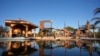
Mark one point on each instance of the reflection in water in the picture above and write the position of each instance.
(50, 48)
(88, 46)
(79, 44)
(18, 48)
(90, 49)
(45, 46)
(41, 49)
(67, 44)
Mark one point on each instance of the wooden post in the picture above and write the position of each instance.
(10, 30)
(26, 33)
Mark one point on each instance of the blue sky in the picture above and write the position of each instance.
(58, 11)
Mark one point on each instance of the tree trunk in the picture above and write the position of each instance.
(94, 33)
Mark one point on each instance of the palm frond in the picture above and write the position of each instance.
(97, 22)
(96, 18)
(97, 10)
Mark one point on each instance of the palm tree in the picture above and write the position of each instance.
(96, 11)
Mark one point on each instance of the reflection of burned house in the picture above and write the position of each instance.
(78, 43)
(20, 28)
(46, 48)
(46, 31)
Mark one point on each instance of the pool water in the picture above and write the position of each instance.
(50, 48)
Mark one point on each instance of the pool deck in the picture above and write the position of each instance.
(46, 38)
(35, 38)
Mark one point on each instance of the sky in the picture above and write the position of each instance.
(59, 11)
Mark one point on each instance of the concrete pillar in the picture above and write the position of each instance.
(26, 32)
